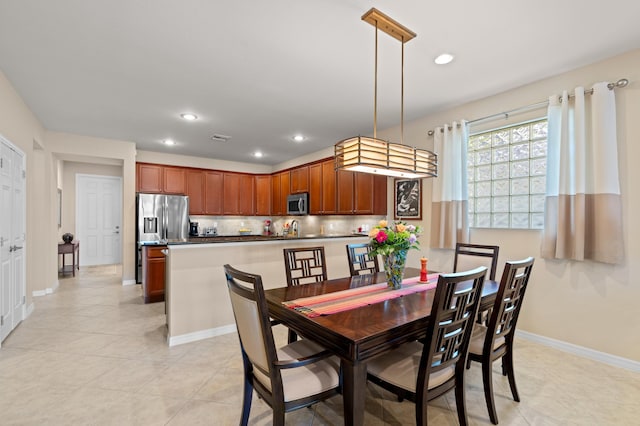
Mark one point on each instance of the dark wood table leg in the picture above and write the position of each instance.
(354, 382)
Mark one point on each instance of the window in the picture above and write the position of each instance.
(506, 171)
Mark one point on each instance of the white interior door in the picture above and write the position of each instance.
(99, 219)
(12, 238)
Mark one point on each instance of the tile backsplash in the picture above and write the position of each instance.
(326, 225)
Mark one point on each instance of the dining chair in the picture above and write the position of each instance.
(422, 372)
(495, 341)
(303, 266)
(361, 260)
(469, 256)
(297, 375)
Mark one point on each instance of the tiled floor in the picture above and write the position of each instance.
(93, 354)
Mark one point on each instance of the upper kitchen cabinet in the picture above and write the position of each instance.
(238, 194)
(345, 191)
(196, 191)
(174, 180)
(299, 179)
(213, 192)
(263, 195)
(279, 192)
(149, 178)
(370, 194)
(380, 195)
(322, 188)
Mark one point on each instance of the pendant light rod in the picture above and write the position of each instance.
(375, 90)
(402, 95)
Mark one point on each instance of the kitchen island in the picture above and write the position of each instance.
(196, 296)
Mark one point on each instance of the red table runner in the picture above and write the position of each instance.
(339, 301)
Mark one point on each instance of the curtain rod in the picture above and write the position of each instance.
(623, 82)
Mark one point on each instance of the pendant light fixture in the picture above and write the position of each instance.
(373, 155)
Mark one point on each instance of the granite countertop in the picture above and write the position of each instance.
(208, 239)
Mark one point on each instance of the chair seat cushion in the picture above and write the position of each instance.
(307, 380)
(400, 368)
(477, 340)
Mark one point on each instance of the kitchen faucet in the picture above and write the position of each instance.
(295, 230)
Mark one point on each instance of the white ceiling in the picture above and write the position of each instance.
(263, 71)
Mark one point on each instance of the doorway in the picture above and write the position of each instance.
(99, 219)
(12, 237)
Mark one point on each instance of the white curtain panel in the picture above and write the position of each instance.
(583, 209)
(449, 218)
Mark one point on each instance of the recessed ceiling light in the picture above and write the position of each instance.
(257, 154)
(443, 59)
(298, 138)
(168, 142)
(188, 116)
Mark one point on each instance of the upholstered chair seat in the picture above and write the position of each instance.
(400, 368)
(308, 380)
(477, 340)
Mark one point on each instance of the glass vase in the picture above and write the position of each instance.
(394, 268)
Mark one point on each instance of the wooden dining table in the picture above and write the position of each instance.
(359, 334)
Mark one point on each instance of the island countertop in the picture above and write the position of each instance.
(209, 239)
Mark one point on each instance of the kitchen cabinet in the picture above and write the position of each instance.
(245, 195)
(345, 191)
(213, 192)
(153, 273)
(279, 192)
(322, 188)
(195, 191)
(149, 178)
(262, 195)
(380, 195)
(361, 193)
(237, 194)
(174, 180)
(216, 193)
(299, 179)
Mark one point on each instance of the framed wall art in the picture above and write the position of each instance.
(407, 199)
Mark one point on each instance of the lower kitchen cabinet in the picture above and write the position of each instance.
(153, 273)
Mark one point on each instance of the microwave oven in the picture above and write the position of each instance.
(298, 204)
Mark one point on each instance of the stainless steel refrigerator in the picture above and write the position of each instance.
(160, 219)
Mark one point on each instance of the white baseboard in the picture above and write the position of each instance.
(200, 335)
(128, 282)
(28, 311)
(48, 290)
(603, 357)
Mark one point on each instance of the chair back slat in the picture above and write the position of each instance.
(361, 260)
(305, 265)
(509, 299)
(469, 256)
(252, 318)
(455, 305)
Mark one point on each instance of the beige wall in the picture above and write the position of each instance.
(199, 162)
(22, 128)
(100, 150)
(589, 304)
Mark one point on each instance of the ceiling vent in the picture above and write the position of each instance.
(220, 138)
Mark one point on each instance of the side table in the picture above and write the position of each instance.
(72, 248)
